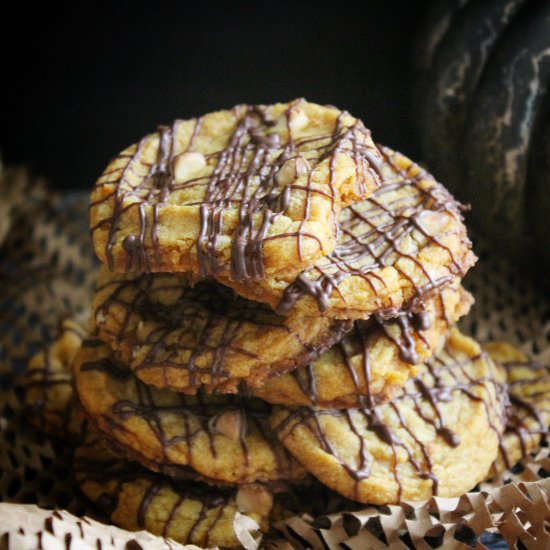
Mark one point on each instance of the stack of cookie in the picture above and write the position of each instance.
(275, 309)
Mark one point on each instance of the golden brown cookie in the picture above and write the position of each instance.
(438, 436)
(396, 248)
(372, 362)
(181, 336)
(247, 193)
(220, 437)
(187, 512)
(529, 410)
(48, 384)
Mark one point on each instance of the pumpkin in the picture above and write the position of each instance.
(483, 81)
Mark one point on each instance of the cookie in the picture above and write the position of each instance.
(396, 248)
(439, 436)
(246, 193)
(529, 411)
(181, 336)
(190, 512)
(372, 362)
(48, 385)
(220, 437)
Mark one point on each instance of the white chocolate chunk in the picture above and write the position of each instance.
(292, 169)
(187, 165)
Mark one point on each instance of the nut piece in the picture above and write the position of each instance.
(229, 423)
(187, 165)
(255, 498)
(292, 169)
(298, 120)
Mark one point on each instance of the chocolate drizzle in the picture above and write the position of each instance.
(443, 379)
(374, 234)
(176, 443)
(103, 477)
(409, 327)
(202, 335)
(357, 364)
(243, 179)
(152, 191)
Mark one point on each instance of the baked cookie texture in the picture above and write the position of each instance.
(190, 512)
(246, 193)
(49, 396)
(221, 437)
(396, 248)
(425, 441)
(370, 364)
(529, 410)
(184, 336)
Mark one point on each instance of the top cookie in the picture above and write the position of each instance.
(246, 193)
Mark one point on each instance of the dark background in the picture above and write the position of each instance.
(82, 85)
